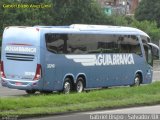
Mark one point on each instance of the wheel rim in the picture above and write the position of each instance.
(79, 86)
(67, 87)
(137, 81)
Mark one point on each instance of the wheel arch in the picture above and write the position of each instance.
(70, 76)
(84, 78)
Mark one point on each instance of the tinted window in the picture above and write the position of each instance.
(56, 43)
(145, 45)
(91, 43)
(129, 44)
(84, 43)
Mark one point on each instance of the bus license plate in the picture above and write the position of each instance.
(18, 83)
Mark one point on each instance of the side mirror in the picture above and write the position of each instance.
(155, 51)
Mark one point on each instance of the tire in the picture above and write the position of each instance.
(80, 85)
(137, 81)
(67, 87)
(30, 91)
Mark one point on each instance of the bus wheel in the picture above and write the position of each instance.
(30, 91)
(67, 87)
(80, 85)
(137, 80)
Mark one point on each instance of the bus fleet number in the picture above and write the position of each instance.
(50, 65)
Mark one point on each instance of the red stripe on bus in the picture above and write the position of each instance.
(19, 44)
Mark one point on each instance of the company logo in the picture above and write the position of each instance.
(20, 49)
(103, 59)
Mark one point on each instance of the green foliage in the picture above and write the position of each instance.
(149, 27)
(78, 11)
(148, 10)
(121, 20)
(26, 16)
(62, 12)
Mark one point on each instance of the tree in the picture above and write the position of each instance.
(149, 27)
(63, 12)
(25, 16)
(78, 11)
(148, 10)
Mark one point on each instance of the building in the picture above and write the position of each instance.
(119, 7)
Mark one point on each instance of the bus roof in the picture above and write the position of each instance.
(96, 28)
(89, 29)
(108, 28)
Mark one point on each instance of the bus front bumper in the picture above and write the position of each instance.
(20, 84)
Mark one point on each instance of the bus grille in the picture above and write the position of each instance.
(19, 57)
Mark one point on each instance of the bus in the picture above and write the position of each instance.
(75, 58)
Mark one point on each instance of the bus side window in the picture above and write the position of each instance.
(56, 43)
(148, 54)
(147, 49)
(49, 43)
(129, 44)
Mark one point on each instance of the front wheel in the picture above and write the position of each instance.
(137, 80)
(80, 85)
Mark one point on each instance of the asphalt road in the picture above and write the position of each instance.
(10, 92)
(128, 113)
(13, 92)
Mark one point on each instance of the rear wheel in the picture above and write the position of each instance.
(30, 91)
(80, 85)
(67, 87)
